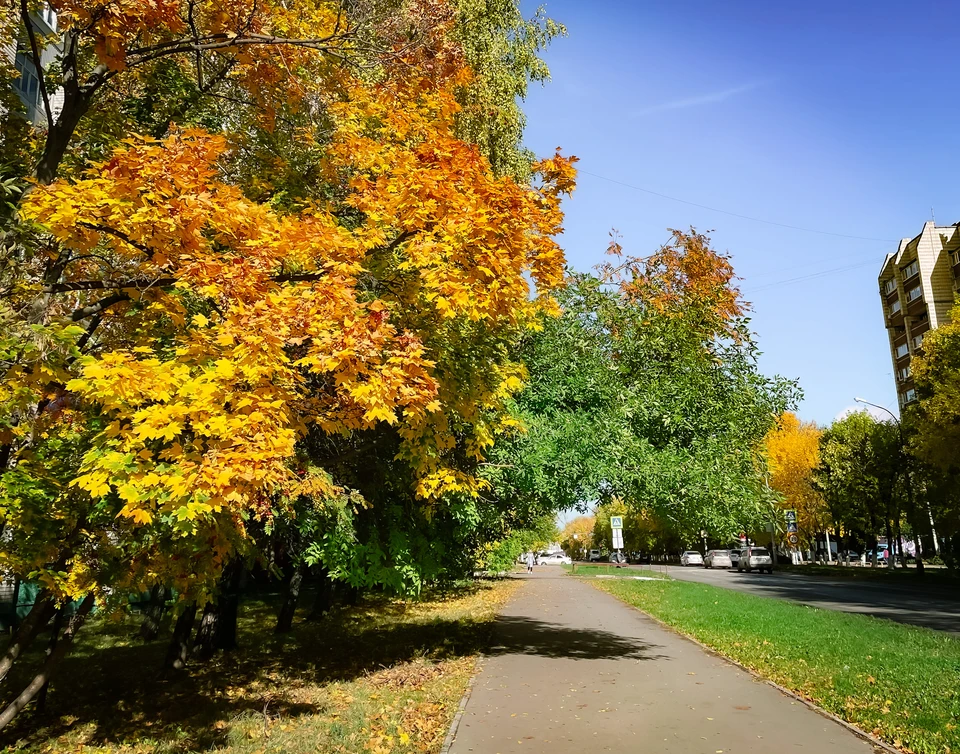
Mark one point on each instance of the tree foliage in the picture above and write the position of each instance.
(646, 389)
(937, 413)
(793, 453)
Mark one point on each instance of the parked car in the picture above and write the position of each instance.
(554, 558)
(717, 559)
(755, 559)
(691, 557)
(642, 558)
(595, 556)
(734, 556)
(619, 558)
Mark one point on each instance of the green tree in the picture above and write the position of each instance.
(646, 388)
(860, 475)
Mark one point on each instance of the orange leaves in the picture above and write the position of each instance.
(683, 278)
(473, 235)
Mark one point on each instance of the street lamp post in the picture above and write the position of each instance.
(903, 459)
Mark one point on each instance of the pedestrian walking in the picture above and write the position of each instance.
(530, 562)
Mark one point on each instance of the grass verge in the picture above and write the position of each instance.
(603, 569)
(385, 676)
(898, 682)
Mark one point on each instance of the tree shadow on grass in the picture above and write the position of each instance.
(111, 687)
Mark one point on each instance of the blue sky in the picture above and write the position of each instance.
(836, 117)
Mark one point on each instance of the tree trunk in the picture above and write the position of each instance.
(891, 562)
(324, 600)
(228, 607)
(36, 619)
(153, 614)
(218, 626)
(179, 649)
(206, 644)
(51, 648)
(50, 666)
(289, 607)
(353, 595)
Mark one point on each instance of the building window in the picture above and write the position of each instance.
(895, 306)
(917, 341)
(27, 85)
(902, 350)
(889, 287)
(955, 256)
(908, 397)
(903, 373)
(49, 16)
(910, 270)
(914, 293)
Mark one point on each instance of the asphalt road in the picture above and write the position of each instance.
(572, 670)
(934, 606)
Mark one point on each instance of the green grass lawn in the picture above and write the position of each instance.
(384, 676)
(608, 569)
(899, 682)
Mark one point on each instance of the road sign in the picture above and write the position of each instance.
(618, 539)
(792, 539)
(791, 527)
(616, 522)
(791, 515)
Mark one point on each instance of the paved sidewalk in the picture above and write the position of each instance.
(575, 671)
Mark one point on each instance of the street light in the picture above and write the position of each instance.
(883, 408)
(903, 454)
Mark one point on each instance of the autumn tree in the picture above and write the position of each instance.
(256, 257)
(793, 453)
(576, 539)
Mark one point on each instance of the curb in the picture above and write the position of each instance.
(452, 733)
(858, 732)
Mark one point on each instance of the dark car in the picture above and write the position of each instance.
(619, 558)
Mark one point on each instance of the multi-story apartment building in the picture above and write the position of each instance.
(917, 287)
(27, 82)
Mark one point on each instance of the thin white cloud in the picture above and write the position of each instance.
(703, 99)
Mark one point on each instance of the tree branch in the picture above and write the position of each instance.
(144, 283)
(107, 230)
(99, 306)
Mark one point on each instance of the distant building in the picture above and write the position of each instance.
(917, 288)
(19, 53)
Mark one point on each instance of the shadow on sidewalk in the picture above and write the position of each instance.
(526, 636)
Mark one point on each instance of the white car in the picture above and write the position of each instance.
(691, 557)
(555, 558)
(717, 559)
(755, 559)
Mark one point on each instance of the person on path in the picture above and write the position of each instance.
(530, 562)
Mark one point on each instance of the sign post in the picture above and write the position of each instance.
(792, 536)
(616, 528)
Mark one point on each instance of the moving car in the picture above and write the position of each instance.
(717, 559)
(554, 558)
(691, 557)
(619, 558)
(755, 559)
